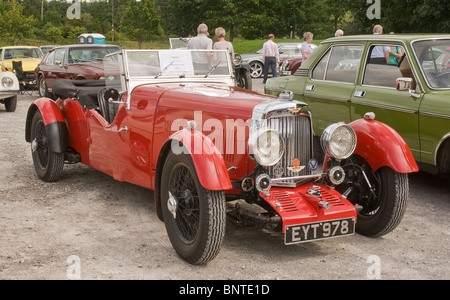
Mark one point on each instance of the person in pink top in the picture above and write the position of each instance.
(271, 57)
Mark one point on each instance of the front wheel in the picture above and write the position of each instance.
(42, 86)
(11, 104)
(381, 197)
(48, 164)
(194, 217)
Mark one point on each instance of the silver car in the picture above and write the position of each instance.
(286, 50)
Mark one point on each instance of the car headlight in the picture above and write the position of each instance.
(266, 147)
(338, 140)
(7, 82)
(237, 59)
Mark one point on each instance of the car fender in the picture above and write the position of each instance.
(381, 146)
(208, 161)
(54, 122)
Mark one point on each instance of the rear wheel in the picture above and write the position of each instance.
(48, 164)
(380, 196)
(194, 216)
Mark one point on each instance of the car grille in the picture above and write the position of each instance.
(297, 133)
(29, 76)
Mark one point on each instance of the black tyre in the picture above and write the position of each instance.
(256, 69)
(380, 196)
(11, 104)
(48, 164)
(386, 210)
(194, 217)
(245, 80)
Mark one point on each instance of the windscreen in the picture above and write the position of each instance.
(434, 59)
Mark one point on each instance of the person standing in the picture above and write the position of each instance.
(271, 57)
(380, 54)
(201, 60)
(339, 33)
(201, 41)
(306, 45)
(395, 54)
(221, 43)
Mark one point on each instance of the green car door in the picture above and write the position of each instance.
(331, 83)
(376, 92)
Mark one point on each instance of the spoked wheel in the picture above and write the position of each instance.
(245, 80)
(48, 164)
(194, 216)
(381, 197)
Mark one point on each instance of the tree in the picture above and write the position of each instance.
(14, 26)
(141, 21)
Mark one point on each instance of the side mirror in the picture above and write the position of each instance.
(403, 84)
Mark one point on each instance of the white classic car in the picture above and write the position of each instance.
(9, 88)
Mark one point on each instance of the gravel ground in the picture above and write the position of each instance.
(89, 226)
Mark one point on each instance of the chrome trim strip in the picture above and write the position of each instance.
(434, 115)
(275, 180)
(409, 111)
(328, 98)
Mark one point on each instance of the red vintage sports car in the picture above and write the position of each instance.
(174, 123)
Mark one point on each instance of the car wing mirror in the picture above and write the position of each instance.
(403, 84)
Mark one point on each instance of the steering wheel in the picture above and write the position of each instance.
(440, 81)
(441, 75)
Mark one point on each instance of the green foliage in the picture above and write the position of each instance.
(14, 26)
(154, 20)
(52, 33)
(141, 21)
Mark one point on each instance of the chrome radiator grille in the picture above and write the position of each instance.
(297, 133)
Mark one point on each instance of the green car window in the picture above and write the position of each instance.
(381, 73)
(340, 64)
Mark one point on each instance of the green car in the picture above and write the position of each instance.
(345, 78)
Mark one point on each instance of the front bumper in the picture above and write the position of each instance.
(308, 203)
(8, 94)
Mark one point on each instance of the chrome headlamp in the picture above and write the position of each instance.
(266, 147)
(338, 141)
(7, 82)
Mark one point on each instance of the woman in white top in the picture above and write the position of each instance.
(222, 44)
(306, 47)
